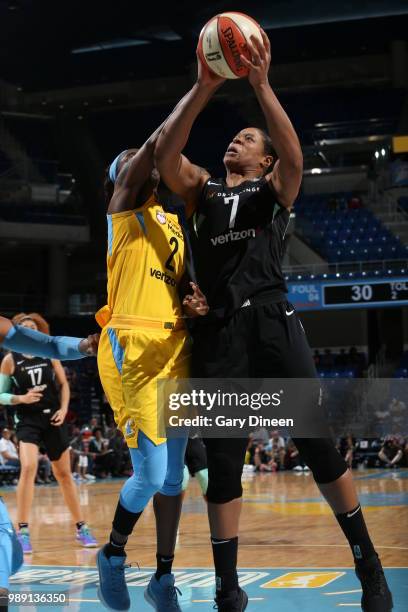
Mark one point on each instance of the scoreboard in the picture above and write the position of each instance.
(381, 293)
(324, 295)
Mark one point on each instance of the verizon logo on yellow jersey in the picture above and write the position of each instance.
(163, 276)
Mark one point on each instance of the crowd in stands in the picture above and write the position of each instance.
(96, 452)
(98, 449)
(342, 364)
(270, 452)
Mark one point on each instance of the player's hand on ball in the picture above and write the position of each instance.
(205, 76)
(195, 305)
(89, 346)
(261, 60)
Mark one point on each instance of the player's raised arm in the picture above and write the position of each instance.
(180, 175)
(287, 172)
(129, 172)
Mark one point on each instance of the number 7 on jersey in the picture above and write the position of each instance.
(234, 201)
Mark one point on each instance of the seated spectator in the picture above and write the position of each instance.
(44, 469)
(121, 464)
(102, 455)
(391, 452)
(263, 460)
(277, 448)
(82, 457)
(8, 450)
(292, 458)
(260, 436)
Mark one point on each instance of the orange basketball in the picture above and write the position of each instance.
(224, 39)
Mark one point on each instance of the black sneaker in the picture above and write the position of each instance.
(376, 594)
(234, 601)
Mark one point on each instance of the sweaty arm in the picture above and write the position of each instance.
(134, 174)
(286, 175)
(132, 177)
(180, 175)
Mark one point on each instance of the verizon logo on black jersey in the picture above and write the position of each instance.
(166, 278)
(233, 236)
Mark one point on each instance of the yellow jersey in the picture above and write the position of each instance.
(145, 263)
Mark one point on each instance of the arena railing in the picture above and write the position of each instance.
(348, 268)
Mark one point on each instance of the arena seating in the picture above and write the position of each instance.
(341, 233)
(391, 269)
(340, 365)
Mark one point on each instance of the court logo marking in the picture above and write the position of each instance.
(302, 580)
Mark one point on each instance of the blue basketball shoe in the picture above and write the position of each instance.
(162, 594)
(112, 590)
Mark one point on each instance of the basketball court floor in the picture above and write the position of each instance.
(293, 556)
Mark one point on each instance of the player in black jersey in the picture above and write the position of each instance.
(239, 226)
(42, 408)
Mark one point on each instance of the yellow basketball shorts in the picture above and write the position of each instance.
(130, 362)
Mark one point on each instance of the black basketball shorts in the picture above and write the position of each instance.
(37, 429)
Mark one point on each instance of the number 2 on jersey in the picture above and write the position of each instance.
(234, 200)
(175, 245)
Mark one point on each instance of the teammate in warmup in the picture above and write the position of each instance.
(144, 338)
(239, 226)
(42, 398)
(25, 340)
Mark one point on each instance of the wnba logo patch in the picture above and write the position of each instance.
(161, 217)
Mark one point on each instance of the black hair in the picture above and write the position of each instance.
(268, 149)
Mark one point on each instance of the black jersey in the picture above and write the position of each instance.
(238, 243)
(39, 374)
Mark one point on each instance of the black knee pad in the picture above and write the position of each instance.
(322, 457)
(225, 465)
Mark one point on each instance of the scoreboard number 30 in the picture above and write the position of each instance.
(361, 293)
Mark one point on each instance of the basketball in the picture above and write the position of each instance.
(224, 39)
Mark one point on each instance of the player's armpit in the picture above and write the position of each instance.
(182, 177)
(285, 180)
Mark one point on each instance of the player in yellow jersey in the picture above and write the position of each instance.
(144, 337)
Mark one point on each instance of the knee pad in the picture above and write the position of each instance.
(224, 477)
(322, 457)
